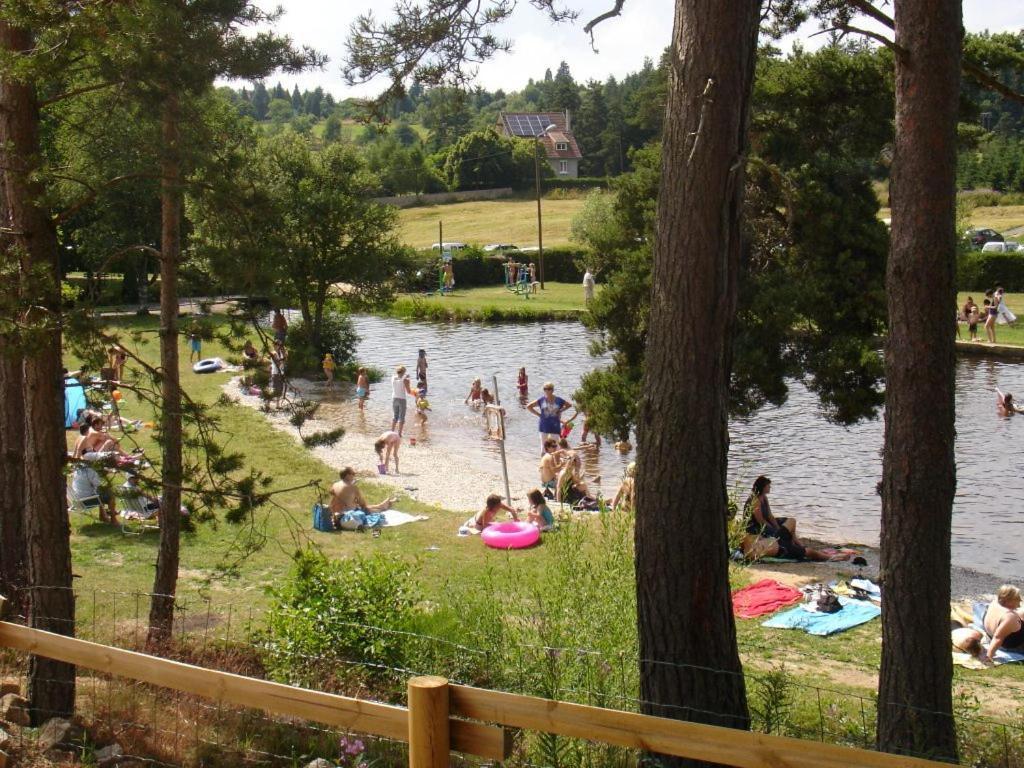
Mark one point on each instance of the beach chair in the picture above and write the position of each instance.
(81, 504)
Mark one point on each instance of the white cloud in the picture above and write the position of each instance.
(642, 31)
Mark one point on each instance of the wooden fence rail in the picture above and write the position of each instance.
(439, 718)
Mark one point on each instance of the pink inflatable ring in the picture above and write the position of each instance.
(510, 535)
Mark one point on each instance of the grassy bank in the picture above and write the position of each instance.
(558, 301)
(504, 612)
(1005, 334)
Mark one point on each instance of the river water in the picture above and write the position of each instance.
(823, 474)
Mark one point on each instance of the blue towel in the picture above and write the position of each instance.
(1003, 656)
(853, 613)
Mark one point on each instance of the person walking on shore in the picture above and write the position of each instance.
(421, 367)
(548, 409)
(362, 387)
(401, 388)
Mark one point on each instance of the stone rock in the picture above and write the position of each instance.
(6, 688)
(320, 763)
(60, 755)
(109, 755)
(59, 733)
(14, 709)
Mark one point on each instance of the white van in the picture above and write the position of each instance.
(448, 246)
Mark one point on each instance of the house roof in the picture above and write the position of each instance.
(529, 124)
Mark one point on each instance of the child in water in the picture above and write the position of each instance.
(473, 398)
(362, 387)
(524, 383)
(540, 513)
(422, 404)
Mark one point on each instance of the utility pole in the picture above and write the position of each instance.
(536, 173)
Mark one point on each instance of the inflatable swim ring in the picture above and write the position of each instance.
(510, 535)
(210, 365)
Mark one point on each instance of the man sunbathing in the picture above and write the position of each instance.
(346, 496)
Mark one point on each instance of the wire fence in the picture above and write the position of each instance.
(164, 727)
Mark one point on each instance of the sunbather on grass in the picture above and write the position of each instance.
(770, 536)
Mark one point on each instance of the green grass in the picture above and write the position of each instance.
(490, 221)
(445, 566)
(1005, 334)
(494, 303)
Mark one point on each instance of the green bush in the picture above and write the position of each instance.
(563, 264)
(337, 336)
(583, 182)
(326, 609)
(977, 271)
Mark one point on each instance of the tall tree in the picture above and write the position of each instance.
(682, 433)
(30, 237)
(260, 101)
(919, 467)
(170, 55)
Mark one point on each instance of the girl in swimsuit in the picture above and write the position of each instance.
(475, 393)
(1004, 622)
(770, 536)
(523, 384)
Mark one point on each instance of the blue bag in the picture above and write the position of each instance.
(322, 518)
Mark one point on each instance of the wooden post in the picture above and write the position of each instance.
(429, 735)
(501, 437)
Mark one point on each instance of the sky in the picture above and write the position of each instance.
(642, 31)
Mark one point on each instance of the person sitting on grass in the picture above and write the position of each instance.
(90, 491)
(770, 536)
(570, 488)
(249, 352)
(492, 506)
(95, 443)
(549, 466)
(1004, 622)
(386, 447)
(625, 497)
(540, 513)
(346, 497)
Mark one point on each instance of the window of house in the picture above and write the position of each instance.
(563, 166)
(562, 146)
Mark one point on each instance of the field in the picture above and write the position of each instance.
(494, 303)
(515, 221)
(490, 221)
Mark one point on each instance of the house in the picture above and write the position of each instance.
(562, 151)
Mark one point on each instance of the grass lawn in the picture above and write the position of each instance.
(110, 566)
(490, 221)
(556, 297)
(1005, 334)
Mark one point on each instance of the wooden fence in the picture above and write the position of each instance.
(442, 718)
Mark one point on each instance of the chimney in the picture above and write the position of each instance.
(568, 121)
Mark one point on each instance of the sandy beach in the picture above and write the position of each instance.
(436, 475)
(428, 473)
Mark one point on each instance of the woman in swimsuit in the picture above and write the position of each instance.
(1004, 622)
(770, 536)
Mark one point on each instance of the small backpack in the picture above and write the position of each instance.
(322, 518)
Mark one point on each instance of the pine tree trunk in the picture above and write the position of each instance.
(919, 470)
(691, 668)
(12, 470)
(51, 603)
(165, 583)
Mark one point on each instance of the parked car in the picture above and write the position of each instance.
(448, 245)
(1008, 246)
(500, 247)
(978, 237)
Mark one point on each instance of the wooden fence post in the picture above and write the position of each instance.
(429, 736)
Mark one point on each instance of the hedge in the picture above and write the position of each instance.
(474, 268)
(582, 182)
(984, 270)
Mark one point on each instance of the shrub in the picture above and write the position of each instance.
(563, 264)
(326, 609)
(583, 182)
(337, 336)
(977, 271)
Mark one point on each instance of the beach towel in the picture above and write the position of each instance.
(852, 614)
(764, 597)
(393, 518)
(1003, 656)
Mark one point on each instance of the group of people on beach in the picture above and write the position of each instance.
(1003, 623)
(993, 310)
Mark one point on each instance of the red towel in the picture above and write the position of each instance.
(763, 597)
